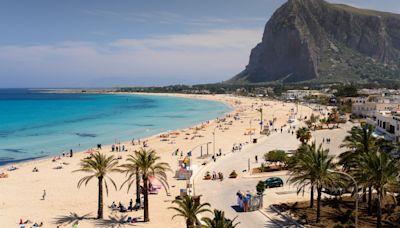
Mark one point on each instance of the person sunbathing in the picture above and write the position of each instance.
(131, 220)
(26, 221)
(37, 225)
(122, 208)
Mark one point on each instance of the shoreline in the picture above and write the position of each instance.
(38, 160)
(21, 192)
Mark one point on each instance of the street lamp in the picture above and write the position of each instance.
(207, 143)
(190, 167)
(356, 190)
(214, 139)
(261, 121)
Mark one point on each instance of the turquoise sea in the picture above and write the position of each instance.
(35, 124)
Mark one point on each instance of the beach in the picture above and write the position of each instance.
(64, 204)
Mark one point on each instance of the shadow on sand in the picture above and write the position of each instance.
(237, 208)
(71, 218)
(115, 222)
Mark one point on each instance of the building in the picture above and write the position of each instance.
(300, 94)
(387, 125)
(370, 106)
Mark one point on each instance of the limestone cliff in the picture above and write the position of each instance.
(313, 40)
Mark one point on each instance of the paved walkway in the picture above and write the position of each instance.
(222, 195)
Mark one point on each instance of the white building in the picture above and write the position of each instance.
(387, 125)
(370, 106)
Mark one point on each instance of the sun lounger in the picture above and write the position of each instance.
(12, 168)
(156, 186)
(153, 191)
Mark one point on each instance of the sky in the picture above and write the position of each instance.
(102, 43)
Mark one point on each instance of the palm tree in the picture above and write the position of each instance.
(312, 168)
(359, 141)
(381, 172)
(132, 171)
(334, 117)
(219, 221)
(145, 163)
(296, 166)
(189, 209)
(303, 134)
(98, 165)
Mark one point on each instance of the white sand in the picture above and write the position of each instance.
(21, 192)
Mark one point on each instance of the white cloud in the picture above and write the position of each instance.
(166, 17)
(208, 56)
(213, 39)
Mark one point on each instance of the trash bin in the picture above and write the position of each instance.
(254, 140)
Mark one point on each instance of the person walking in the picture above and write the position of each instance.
(44, 195)
(256, 158)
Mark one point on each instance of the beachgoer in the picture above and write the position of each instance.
(44, 194)
(130, 205)
(256, 158)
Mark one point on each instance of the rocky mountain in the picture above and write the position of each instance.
(316, 41)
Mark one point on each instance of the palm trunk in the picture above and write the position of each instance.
(146, 199)
(312, 197)
(189, 223)
(364, 198)
(319, 190)
(100, 200)
(137, 186)
(370, 200)
(379, 212)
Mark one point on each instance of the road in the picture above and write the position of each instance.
(222, 195)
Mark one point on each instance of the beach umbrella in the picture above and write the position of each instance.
(90, 151)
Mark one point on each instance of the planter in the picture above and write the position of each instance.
(233, 174)
(207, 176)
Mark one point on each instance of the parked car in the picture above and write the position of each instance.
(273, 182)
